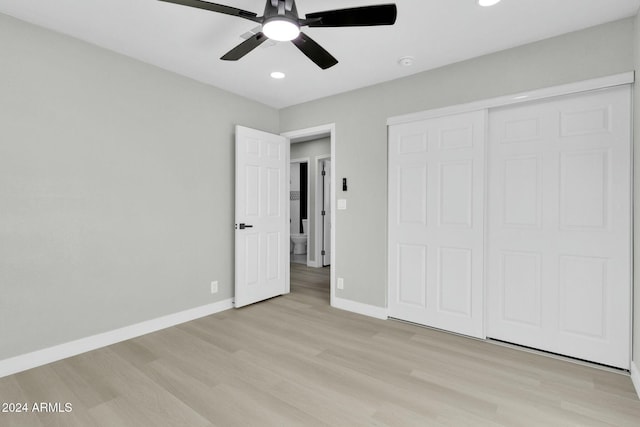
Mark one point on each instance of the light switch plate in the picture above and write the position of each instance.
(342, 204)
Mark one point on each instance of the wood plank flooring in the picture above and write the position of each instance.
(295, 361)
(309, 277)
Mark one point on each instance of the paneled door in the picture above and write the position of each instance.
(262, 219)
(559, 234)
(436, 202)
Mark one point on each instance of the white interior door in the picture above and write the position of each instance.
(436, 202)
(262, 217)
(559, 234)
(326, 210)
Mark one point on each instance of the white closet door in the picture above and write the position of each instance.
(559, 237)
(436, 181)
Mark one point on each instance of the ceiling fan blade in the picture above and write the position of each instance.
(314, 51)
(214, 7)
(245, 47)
(384, 14)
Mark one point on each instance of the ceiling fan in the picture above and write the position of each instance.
(281, 22)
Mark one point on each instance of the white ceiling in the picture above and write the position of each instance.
(189, 41)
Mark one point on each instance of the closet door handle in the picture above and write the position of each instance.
(243, 226)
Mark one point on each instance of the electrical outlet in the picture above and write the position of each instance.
(340, 283)
(214, 287)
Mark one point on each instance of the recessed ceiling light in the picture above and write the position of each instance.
(486, 3)
(278, 75)
(406, 61)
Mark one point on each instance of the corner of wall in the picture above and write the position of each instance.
(635, 341)
(635, 377)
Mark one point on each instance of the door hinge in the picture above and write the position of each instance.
(324, 252)
(324, 173)
(324, 213)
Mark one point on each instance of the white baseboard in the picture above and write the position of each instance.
(360, 308)
(37, 358)
(312, 263)
(635, 377)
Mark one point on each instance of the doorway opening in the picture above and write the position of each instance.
(299, 212)
(311, 212)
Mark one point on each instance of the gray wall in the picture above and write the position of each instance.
(116, 177)
(311, 149)
(116, 189)
(361, 133)
(636, 199)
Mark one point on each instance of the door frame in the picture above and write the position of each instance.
(309, 134)
(319, 236)
(310, 214)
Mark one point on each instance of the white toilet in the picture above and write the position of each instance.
(300, 240)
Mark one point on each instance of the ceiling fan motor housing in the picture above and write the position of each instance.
(281, 9)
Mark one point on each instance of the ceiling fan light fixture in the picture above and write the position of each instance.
(281, 22)
(282, 30)
(487, 3)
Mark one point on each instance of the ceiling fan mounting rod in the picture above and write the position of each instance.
(279, 8)
(288, 4)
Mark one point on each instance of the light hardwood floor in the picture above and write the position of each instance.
(294, 360)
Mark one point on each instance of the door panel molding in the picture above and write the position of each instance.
(582, 277)
(436, 218)
(262, 217)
